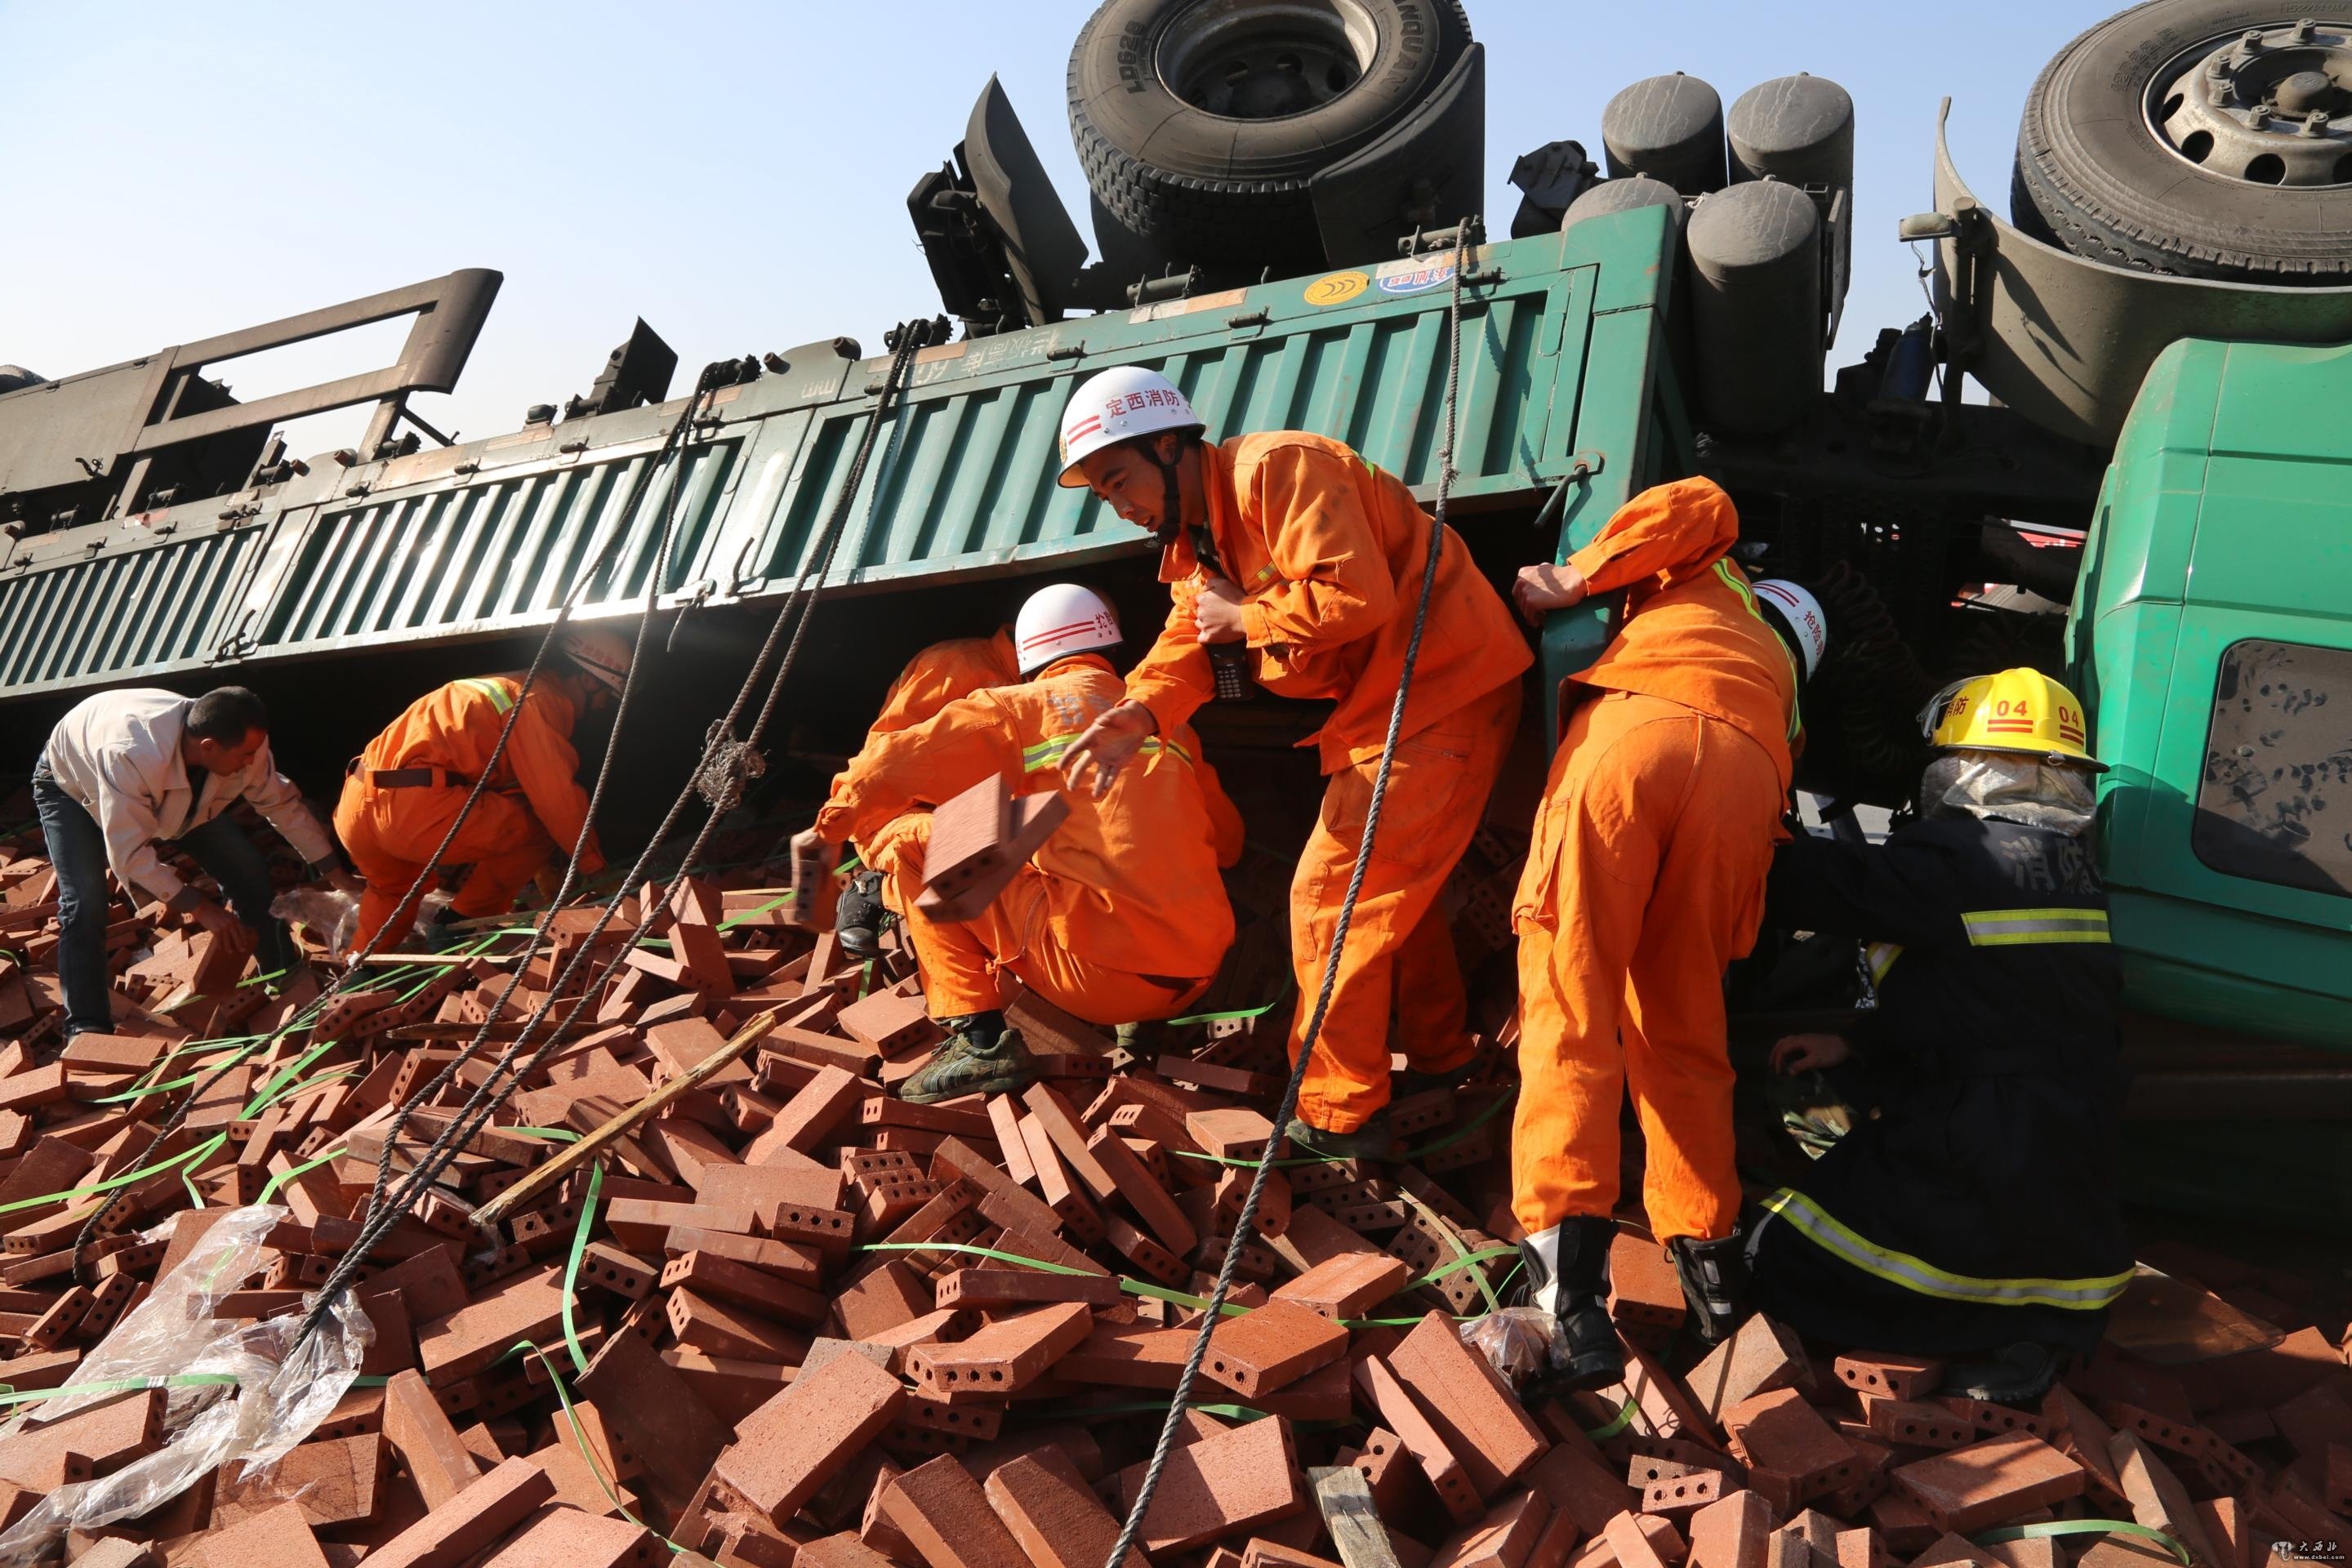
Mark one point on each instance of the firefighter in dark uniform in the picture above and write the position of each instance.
(1968, 1215)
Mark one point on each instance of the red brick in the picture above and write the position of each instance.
(1401, 1414)
(655, 1409)
(1143, 1193)
(1760, 1357)
(1645, 1541)
(1577, 1486)
(1052, 1516)
(939, 1508)
(2077, 1432)
(466, 1340)
(93, 1442)
(1220, 1486)
(1347, 1285)
(2157, 1499)
(718, 1328)
(426, 1440)
(1504, 1539)
(810, 1116)
(1918, 1424)
(1894, 1376)
(1781, 1433)
(274, 1538)
(1644, 1290)
(1678, 1497)
(565, 1538)
(796, 1442)
(1258, 1351)
(1990, 1483)
(790, 1261)
(1004, 1356)
(722, 1279)
(987, 1288)
(893, 1023)
(1469, 1403)
(842, 1551)
(1129, 1355)
(1730, 1532)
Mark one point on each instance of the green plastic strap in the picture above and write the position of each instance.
(580, 1442)
(121, 1386)
(561, 1134)
(572, 1265)
(1229, 1412)
(200, 1151)
(732, 922)
(1468, 1260)
(1601, 1434)
(968, 1246)
(198, 1076)
(269, 1188)
(1221, 1018)
(2082, 1527)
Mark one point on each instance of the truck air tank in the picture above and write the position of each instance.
(1623, 195)
(1798, 129)
(1755, 307)
(1669, 128)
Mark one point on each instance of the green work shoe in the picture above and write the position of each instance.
(973, 1060)
(1371, 1141)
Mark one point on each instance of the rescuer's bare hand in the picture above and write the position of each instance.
(1540, 590)
(1109, 743)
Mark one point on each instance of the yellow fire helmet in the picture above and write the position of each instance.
(2018, 709)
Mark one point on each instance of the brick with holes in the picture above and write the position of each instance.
(1004, 1356)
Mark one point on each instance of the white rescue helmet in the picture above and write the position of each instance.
(1801, 613)
(601, 655)
(1061, 620)
(1119, 405)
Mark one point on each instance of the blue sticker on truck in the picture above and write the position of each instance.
(1413, 276)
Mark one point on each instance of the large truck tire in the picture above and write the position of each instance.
(2140, 145)
(1200, 122)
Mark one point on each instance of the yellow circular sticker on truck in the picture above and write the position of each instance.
(1337, 288)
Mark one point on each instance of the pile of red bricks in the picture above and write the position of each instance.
(814, 1325)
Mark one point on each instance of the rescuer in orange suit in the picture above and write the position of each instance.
(402, 793)
(934, 678)
(1119, 917)
(1645, 878)
(1294, 548)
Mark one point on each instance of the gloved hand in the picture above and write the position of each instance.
(1109, 744)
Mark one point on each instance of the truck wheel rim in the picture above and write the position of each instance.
(2266, 106)
(1244, 60)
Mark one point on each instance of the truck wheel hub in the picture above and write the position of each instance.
(2269, 106)
(1247, 60)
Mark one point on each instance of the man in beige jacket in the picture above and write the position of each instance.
(124, 769)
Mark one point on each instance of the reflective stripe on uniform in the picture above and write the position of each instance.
(1880, 956)
(490, 688)
(1816, 1225)
(2018, 928)
(1737, 580)
(1048, 754)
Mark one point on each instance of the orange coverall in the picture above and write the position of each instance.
(1120, 917)
(533, 806)
(944, 671)
(1646, 875)
(1328, 551)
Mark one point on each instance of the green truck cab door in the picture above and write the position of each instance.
(2211, 636)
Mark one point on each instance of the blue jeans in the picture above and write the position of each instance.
(78, 854)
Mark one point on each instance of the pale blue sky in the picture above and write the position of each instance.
(737, 173)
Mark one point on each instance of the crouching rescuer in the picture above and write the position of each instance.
(1970, 1212)
(1119, 918)
(1644, 880)
(401, 794)
(1293, 563)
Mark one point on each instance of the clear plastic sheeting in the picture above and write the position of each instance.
(234, 1391)
(331, 917)
(2012, 787)
(1522, 1343)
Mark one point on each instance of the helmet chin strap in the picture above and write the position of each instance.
(1172, 516)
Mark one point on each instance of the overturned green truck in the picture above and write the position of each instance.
(2155, 506)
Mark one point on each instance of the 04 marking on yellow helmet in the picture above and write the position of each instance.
(1337, 288)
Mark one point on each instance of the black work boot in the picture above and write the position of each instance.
(2018, 1373)
(1715, 1282)
(859, 917)
(1566, 1271)
(1373, 1140)
(980, 1055)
